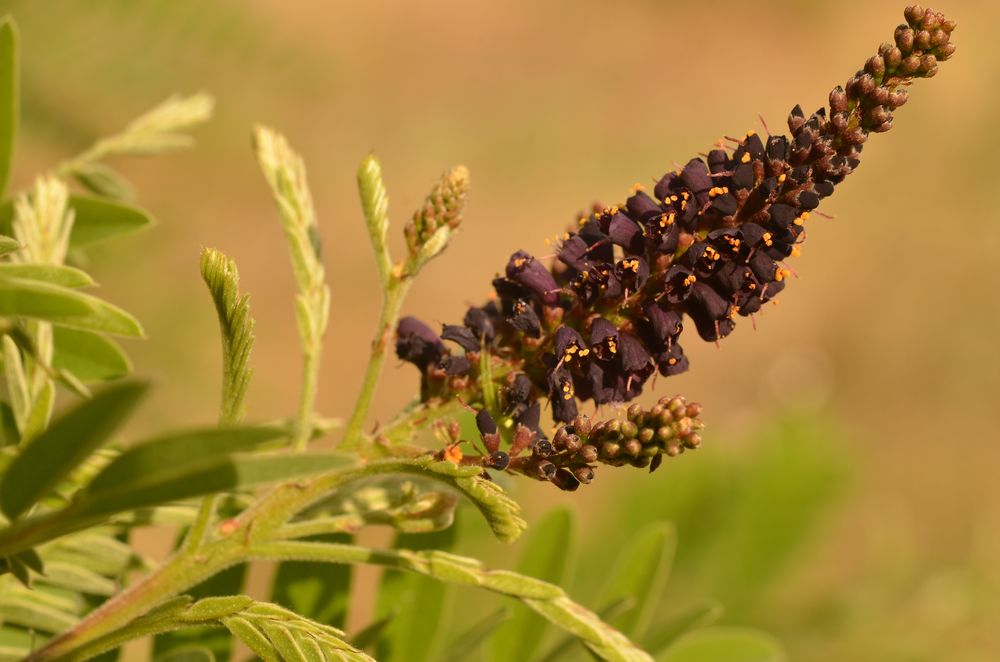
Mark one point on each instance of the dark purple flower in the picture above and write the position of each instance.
(604, 339)
(518, 394)
(462, 336)
(524, 318)
(642, 208)
(625, 232)
(678, 282)
(634, 357)
(575, 253)
(672, 361)
(532, 275)
(666, 323)
(562, 394)
(418, 344)
(531, 417)
(482, 321)
(711, 313)
(570, 347)
(453, 365)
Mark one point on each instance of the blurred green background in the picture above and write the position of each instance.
(847, 496)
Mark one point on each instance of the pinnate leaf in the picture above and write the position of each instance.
(70, 439)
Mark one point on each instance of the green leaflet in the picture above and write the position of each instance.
(547, 555)
(204, 476)
(94, 219)
(193, 463)
(37, 610)
(314, 591)
(104, 181)
(145, 463)
(98, 219)
(47, 273)
(8, 244)
(725, 644)
(475, 636)
(70, 439)
(8, 99)
(640, 575)
(88, 356)
(415, 604)
(668, 630)
(213, 640)
(77, 578)
(63, 306)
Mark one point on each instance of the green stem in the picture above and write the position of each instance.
(548, 600)
(302, 427)
(392, 302)
(189, 567)
(172, 578)
(348, 523)
(203, 520)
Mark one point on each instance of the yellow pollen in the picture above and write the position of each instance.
(674, 197)
(804, 216)
(567, 389)
(636, 188)
(584, 352)
(796, 251)
(745, 158)
(798, 220)
(671, 361)
(690, 280)
(612, 346)
(782, 177)
(453, 454)
(767, 238)
(751, 133)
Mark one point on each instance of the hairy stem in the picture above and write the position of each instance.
(392, 302)
(259, 524)
(302, 426)
(548, 600)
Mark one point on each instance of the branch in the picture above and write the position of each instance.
(272, 632)
(546, 599)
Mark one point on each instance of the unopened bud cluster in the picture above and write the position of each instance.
(441, 209)
(639, 438)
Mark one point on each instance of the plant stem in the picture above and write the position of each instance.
(203, 520)
(175, 576)
(189, 566)
(392, 302)
(302, 428)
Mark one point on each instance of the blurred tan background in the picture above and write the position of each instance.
(889, 335)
